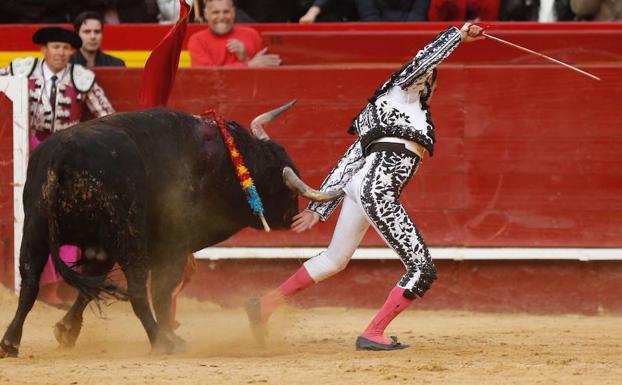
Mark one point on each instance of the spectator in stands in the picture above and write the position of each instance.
(240, 15)
(34, 11)
(597, 10)
(226, 44)
(394, 133)
(168, 11)
(536, 10)
(393, 10)
(119, 11)
(462, 10)
(327, 11)
(90, 26)
(269, 11)
(58, 92)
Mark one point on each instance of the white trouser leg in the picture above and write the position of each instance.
(349, 231)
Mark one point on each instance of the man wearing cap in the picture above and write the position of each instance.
(58, 91)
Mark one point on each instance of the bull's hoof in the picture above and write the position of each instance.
(164, 344)
(168, 343)
(8, 350)
(180, 343)
(66, 335)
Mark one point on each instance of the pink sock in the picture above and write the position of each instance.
(300, 280)
(393, 306)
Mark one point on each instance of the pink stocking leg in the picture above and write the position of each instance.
(394, 305)
(300, 280)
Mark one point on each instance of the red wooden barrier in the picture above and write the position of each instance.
(6, 191)
(380, 43)
(147, 36)
(526, 155)
(544, 287)
(399, 46)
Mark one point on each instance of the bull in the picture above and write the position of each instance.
(144, 189)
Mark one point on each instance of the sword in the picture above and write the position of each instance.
(541, 55)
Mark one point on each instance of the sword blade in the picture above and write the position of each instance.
(541, 55)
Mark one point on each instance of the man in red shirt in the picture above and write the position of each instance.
(226, 44)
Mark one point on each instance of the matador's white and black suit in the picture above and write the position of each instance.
(395, 130)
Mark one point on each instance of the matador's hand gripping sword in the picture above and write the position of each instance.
(483, 33)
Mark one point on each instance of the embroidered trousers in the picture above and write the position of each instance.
(372, 197)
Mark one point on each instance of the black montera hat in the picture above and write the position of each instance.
(54, 34)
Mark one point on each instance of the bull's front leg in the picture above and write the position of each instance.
(165, 278)
(136, 274)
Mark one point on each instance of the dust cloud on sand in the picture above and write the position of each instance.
(316, 346)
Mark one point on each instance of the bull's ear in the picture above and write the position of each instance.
(257, 125)
(294, 183)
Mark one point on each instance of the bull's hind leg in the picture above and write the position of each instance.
(33, 256)
(164, 279)
(67, 330)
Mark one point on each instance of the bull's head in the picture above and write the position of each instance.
(285, 185)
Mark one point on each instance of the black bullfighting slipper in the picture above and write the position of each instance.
(258, 327)
(363, 343)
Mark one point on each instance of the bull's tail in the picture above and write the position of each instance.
(90, 287)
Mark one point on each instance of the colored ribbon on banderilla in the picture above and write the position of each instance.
(243, 173)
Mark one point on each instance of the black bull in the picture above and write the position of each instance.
(146, 188)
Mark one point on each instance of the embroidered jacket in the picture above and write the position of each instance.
(76, 89)
(399, 108)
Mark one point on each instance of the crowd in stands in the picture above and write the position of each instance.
(310, 11)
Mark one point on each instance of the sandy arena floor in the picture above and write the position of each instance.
(316, 347)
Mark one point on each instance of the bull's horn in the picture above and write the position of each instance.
(298, 186)
(258, 123)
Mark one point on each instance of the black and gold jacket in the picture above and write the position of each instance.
(399, 108)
